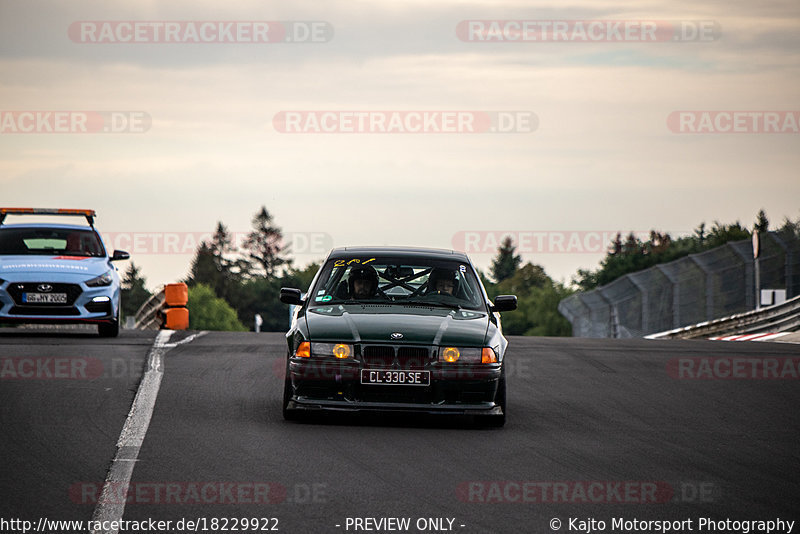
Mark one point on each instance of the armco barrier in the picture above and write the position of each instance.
(779, 318)
(691, 290)
(165, 309)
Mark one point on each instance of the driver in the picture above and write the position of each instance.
(442, 281)
(363, 282)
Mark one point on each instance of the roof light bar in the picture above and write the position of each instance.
(89, 214)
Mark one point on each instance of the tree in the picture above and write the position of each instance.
(524, 280)
(209, 312)
(616, 245)
(700, 233)
(635, 255)
(204, 268)
(132, 290)
(722, 233)
(264, 244)
(301, 278)
(537, 302)
(790, 230)
(506, 262)
(537, 313)
(762, 223)
(211, 265)
(659, 243)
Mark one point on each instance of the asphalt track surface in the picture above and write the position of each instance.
(585, 414)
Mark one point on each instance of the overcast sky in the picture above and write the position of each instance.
(601, 154)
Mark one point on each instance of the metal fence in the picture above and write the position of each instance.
(700, 287)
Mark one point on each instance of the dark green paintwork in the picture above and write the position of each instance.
(419, 325)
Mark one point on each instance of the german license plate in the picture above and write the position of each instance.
(44, 298)
(391, 377)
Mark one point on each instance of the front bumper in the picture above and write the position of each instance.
(333, 385)
(94, 305)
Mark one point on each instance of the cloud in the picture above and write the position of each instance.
(602, 156)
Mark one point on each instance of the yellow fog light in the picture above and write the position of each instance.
(450, 354)
(488, 356)
(341, 351)
(304, 350)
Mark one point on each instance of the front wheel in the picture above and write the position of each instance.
(288, 413)
(499, 420)
(109, 329)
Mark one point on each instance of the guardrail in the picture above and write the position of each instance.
(779, 318)
(165, 309)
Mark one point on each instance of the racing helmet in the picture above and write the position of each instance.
(363, 272)
(441, 273)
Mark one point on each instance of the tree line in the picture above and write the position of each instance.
(632, 254)
(229, 285)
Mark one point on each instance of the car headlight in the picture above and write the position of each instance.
(341, 351)
(104, 279)
(450, 354)
(467, 355)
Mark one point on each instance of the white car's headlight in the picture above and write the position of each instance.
(104, 279)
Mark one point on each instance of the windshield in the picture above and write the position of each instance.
(416, 280)
(49, 241)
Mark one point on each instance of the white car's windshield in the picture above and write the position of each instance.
(48, 241)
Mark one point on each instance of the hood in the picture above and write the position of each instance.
(27, 264)
(374, 323)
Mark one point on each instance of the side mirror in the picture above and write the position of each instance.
(120, 255)
(290, 295)
(505, 303)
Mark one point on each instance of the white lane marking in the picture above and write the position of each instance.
(110, 506)
(186, 340)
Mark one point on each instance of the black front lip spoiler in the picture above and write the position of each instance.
(317, 405)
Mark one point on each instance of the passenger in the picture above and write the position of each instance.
(363, 282)
(442, 282)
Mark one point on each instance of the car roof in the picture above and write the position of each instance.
(48, 225)
(344, 252)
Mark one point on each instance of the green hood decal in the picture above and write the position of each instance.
(375, 323)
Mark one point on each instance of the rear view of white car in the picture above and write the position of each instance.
(58, 273)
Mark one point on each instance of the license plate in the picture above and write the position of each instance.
(390, 377)
(44, 298)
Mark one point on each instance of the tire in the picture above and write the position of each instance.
(109, 329)
(288, 413)
(497, 421)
